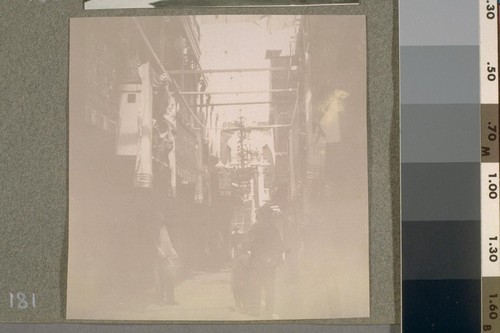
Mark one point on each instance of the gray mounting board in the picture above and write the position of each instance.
(34, 148)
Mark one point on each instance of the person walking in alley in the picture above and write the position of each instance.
(266, 248)
(213, 250)
(240, 278)
(167, 265)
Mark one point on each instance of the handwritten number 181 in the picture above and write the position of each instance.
(22, 301)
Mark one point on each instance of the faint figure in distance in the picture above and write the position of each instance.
(167, 267)
(240, 277)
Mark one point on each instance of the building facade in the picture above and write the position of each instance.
(139, 140)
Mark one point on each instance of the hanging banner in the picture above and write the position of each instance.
(128, 125)
(144, 163)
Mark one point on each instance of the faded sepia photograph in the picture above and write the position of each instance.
(218, 168)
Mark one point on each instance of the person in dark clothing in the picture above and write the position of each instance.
(266, 248)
